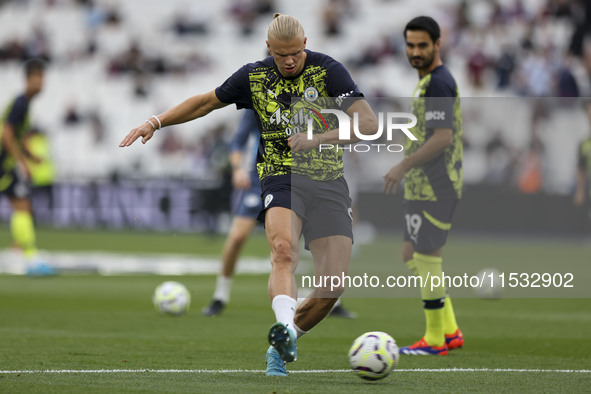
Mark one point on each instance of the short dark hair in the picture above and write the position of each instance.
(34, 65)
(424, 23)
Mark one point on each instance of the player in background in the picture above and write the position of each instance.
(247, 206)
(42, 172)
(432, 173)
(584, 164)
(293, 171)
(15, 174)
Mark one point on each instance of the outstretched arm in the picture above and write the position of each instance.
(192, 108)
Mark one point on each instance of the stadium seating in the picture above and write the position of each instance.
(76, 77)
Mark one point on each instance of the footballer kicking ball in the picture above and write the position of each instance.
(373, 355)
(171, 298)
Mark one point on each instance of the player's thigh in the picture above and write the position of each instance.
(18, 190)
(330, 214)
(407, 251)
(21, 204)
(331, 255)
(241, 228)
(282, 227)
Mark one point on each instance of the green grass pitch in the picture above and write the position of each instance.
(89, 322)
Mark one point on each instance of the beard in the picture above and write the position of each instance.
(421, 63)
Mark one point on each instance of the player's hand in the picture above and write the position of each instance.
(23, 169)
(393, 178)
(300, 142)
(145, 130)
(579, 198)
(34, 159)
(240, 179)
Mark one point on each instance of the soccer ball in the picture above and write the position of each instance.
(373, 355)
(491, 285)
(171, 298)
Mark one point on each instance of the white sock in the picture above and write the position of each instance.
(299, 332)
(284, 308)
(222, 289)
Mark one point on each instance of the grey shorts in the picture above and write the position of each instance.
(323, 206)
(427, 223)
(14, 185)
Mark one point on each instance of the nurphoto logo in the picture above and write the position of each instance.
(387, 123)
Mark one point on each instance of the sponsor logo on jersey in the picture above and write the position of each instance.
(297, 122)
(300, 118)
(434, 115)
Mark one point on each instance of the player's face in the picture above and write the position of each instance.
(420, 49)
(35, 82)
(289, 56)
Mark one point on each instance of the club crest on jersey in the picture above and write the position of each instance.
(268, 200)
(311, 94)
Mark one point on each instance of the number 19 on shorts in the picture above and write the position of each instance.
(413, 224)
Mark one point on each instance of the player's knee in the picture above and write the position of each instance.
(281, 252)
(21, 205)
(238, 240)
(407, 253)
(406, 256)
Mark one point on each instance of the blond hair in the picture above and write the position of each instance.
(285, 28)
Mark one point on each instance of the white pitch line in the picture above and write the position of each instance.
(313, 371)
(493, 370)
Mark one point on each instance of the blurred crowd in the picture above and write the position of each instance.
(541, 52)
(545, 51)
